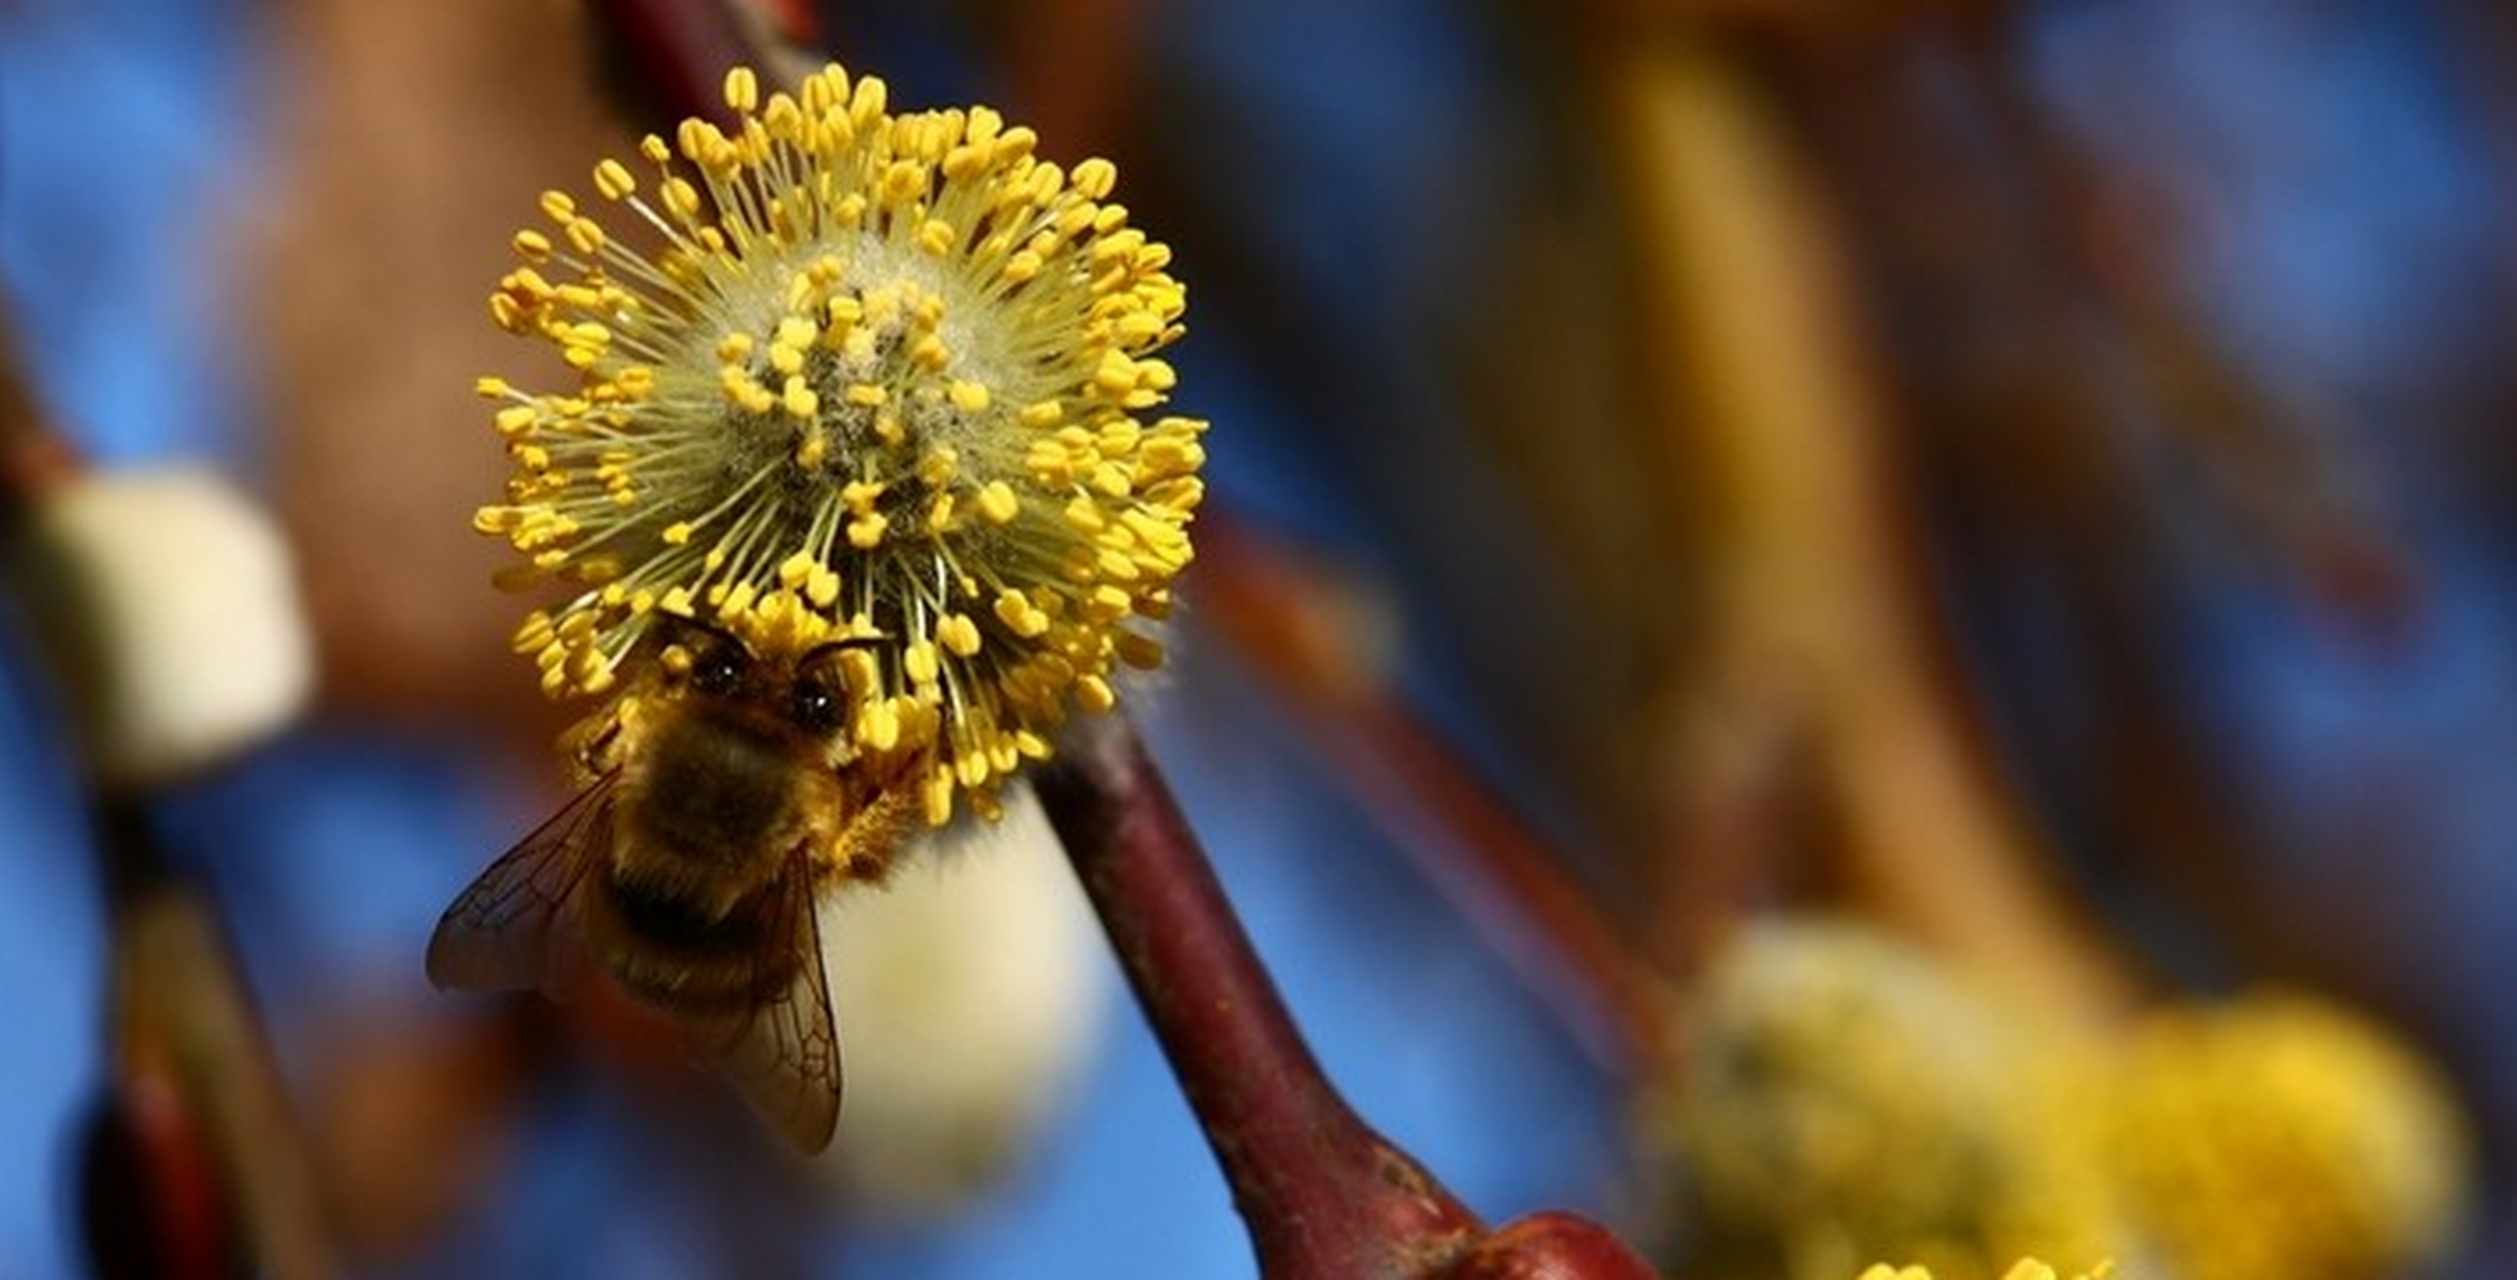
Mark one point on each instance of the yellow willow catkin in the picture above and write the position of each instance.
(845, 374)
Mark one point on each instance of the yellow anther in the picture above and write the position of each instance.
(920, 663)
(1046, 461)
(878, 726)
(997, 502)
(1093, 693)
(528, 284)
(1116, 565)
(681, 199)
(1020, 615)
(1116, 373)
(971, 770)
(1166, 456)
(904, 181)
(965, 162)
(797, 569)
(859, 495)
(613, 179)
(742, 90)
(800, 400)
(1108, 603)
(1095, 178)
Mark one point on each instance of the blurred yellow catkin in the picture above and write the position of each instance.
(2282, 1138)
(1844, 1098)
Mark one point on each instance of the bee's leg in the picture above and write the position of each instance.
(592, 742)
(864, 849)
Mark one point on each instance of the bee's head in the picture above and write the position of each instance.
(808, 693)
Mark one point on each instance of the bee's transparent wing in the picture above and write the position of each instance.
(785, 1055)
(515, 926)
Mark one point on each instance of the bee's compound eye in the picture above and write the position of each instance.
(815, 706)
(717, 673)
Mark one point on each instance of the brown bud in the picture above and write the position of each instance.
(1549, 1245)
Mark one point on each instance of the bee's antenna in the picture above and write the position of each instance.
(828, 647)
(684, 622)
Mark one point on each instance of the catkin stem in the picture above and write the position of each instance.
(1325, 1197)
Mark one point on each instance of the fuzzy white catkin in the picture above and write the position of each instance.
(968, 992)
(167, 603)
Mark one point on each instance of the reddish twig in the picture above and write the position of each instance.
(195, 1163)
(33, 458)
(671, 56)
(1325, 1197)
(1074, 69)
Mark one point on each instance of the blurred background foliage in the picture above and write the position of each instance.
(2032, 479)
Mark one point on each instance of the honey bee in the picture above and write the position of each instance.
(726, 800)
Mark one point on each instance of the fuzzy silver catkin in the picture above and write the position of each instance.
(167, 603)
(971, 992)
